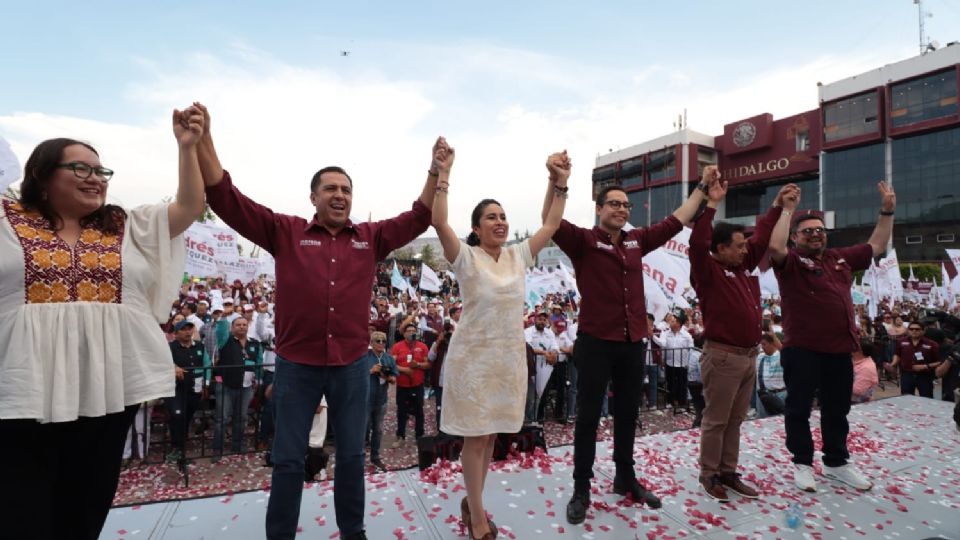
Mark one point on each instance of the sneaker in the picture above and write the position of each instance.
(714, 488)
(803, 478)
(362, 535)
(848, 474)
(577, 507)
(733, 482)
(398, 443)
(639, 493)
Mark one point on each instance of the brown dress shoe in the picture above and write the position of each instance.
(465, 517)
(733, 482)
(712, 487)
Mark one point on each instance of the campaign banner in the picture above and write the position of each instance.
(245, 269)
(201, 256)
(224, 240)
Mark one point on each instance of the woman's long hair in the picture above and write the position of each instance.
(41, 165)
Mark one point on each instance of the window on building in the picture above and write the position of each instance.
(640, 213)
(755, 199)
(664, 200)
(946, 238)
(927, 98)
(851, 117)
(803, 141)
(597, 186)
(926, 173)
(850, 185)
(662, 164)
(914, 239)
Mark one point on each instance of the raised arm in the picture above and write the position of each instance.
(783, 205)
(688, 209)
(188, 205)
(548, 197)
(443, 159)
(209, 162)
(559, 165)
(702, 233)
(781, 229)
(881, 233)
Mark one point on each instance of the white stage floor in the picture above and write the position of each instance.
(909, 446)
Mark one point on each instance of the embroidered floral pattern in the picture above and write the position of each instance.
(90, 272)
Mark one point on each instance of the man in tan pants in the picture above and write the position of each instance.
(721, 260)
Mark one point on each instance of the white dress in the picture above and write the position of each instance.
(485, 370)
(79, 328)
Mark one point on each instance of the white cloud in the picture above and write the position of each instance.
(275, 124)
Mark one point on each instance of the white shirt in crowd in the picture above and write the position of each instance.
(676, 346)
(542, 339)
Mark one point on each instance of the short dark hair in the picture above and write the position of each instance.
(767, 337)
(806, 216)
(866, 347)
(409, 325)
(315, 181)
(602, 196)
(723, 234)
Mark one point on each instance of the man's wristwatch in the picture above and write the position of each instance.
(702, 186)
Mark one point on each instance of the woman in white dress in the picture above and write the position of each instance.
(485, 370)
(84, 287)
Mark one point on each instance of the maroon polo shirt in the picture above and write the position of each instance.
(405, 355)
(928, 350)
(729, 296)
(323, 281)
(816, 301)
(381, 322)
(610, 276)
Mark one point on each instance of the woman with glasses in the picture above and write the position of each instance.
(484, 370)
(84, 286)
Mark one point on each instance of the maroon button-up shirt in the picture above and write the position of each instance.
(324, 282)
(610, 276)
(817, 306)
(729, 296)
(927, 348)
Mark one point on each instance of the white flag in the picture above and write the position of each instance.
(429, 281)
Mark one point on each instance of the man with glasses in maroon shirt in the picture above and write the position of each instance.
(610, 338)
(722, 260)
(325, 267)
(918, 357)
(820, 335)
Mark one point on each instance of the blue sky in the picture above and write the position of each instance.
(506, 82)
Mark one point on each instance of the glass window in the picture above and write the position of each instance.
(755, 199)
(928, 98)
(599, 185)
(850, 185)
(664, 200)
(851, 117)
(662, 164)
(640, 213)
(631, 181)
(926, 173)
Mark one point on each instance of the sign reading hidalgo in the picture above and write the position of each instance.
(754, 169)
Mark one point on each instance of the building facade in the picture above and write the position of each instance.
(899, 122)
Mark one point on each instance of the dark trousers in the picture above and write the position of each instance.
(410, 402)
(59, 479)
(266, 410)
(677, 385)
(696, 397)
(557, 383)
(180, 411)
(297, 390)
(598, 361)
(911, 381)
(829, 377)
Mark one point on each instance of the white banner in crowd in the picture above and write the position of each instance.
(268, 265)
(888, 272)
(9, 166)
(212, 252)
(224, 240)
(201, 260)
(245, 269)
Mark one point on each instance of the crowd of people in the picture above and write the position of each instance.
(330, 339)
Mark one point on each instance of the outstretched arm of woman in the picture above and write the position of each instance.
(188, 205)
(443, 158)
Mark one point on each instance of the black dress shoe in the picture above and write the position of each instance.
(638, 492)
(577, 507)
(362, 535)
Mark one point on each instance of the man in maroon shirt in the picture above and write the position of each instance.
(412, 363)
(325, 266)
(918, 357)
(721, 264)
(820, 335)
(610, 339)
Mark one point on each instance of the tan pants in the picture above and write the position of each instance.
(729, 378)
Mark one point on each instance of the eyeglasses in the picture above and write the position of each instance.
(83, 171)
(616, 205)
(809, 231)
(379, 341)
(915, 329)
